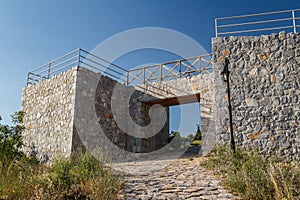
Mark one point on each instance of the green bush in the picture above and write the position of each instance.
(253, 177)
(11, 142)
(81, 176)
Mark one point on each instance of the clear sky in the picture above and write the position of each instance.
(34, 32)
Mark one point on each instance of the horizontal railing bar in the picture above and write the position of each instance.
(30, 78)
(103, 60)
(76, 50)
(37, 80)
(91, 66)
(178, 74)
(258, 14)
(104, 72)
(54, 66)
(174, 73)
(255, 30)
(187, 59)
(205, 60)
(101, 65)
(157, 66)
(183, 73)
(182, 60)
(65, 66)
(58, 64)
(257, 22)
(171, 62)
(141, 68)
(38, 75)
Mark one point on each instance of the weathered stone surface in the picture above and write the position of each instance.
(265, 93)
(48, 119)
(82, 109)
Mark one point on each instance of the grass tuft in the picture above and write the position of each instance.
(254, 177)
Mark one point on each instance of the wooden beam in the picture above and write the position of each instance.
(173, 101)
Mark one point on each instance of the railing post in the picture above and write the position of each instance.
(216, 27)
(294, 21)
(79, 57)
(161, 75)
(28, 78)
(180, 69)
(144, 73)
(49, 68)
(127, 78)
(199, 64)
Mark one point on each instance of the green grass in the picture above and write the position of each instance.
(253, 177)
(79, 177)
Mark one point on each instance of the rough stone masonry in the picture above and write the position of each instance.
(76, 109)
(264, 78)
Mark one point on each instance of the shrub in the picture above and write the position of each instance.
(79, 177)
(11, 142)
(253, 177)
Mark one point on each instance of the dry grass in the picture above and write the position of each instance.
(254, 177)
(79, 177)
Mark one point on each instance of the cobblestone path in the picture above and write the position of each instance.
(172, 179)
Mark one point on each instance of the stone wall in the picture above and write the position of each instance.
(73, 110)
(49, 115)
(82, 109)
(264, 78)
(106, 111)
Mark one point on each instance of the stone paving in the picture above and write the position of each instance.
(172, 179)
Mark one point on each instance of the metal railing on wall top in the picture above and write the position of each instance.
(143, 75)
(287, 20)
(78, 57)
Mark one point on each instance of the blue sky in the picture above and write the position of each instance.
(35, 32)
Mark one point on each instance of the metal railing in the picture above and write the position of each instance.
(160, 72)
(170, 70)
(286, 20)
(78, 57)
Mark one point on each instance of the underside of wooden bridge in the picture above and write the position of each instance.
(173, 101)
